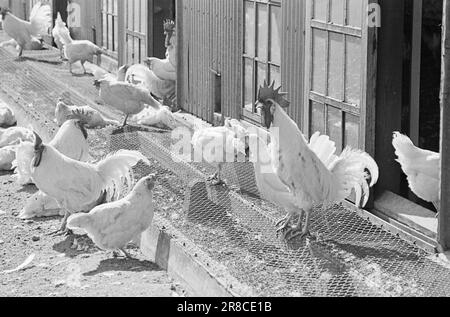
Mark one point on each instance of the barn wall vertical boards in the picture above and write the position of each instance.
(211, 49)
(210, 44)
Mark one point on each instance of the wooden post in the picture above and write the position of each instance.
(444, 216)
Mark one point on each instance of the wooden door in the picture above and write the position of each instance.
(136, 31)
(340, 72)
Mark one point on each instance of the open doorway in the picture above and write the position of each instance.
(61, 7)
(422, 75)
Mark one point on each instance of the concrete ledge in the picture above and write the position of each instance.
(204, 277)
(408, 213)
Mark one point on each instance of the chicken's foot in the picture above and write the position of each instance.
(63, 230)
(299, 230)
(216, 179)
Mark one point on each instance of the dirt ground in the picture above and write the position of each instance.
(67, 266)
(58, 268)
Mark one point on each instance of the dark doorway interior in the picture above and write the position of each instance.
(421, 120)
(61, 7)
(162, 10)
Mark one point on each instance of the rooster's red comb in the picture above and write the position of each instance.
(169, 25)
(269, 92)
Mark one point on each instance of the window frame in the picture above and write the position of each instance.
(109, 12)
(255, 59)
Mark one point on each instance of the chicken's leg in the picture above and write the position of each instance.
(216, 179)
(70, 68)
(84, 68)
(125, 121)
(63, 229)
(438, 207)
(284, 223)
(20, 51)
(300, 230)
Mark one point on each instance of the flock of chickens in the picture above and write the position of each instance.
(290, 171)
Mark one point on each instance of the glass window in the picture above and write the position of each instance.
(262, 47)
(110, 25)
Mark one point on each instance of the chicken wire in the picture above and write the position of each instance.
(350, 257)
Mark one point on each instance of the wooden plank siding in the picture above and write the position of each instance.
(211, 42)
(293, 56)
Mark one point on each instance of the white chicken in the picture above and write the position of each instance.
(166, 69)
(7, 157)
(71, 141)
(112, 226)
(59, 31)
(141, 75)
(90, 117)
(125, 97)
(303, 172)
(217, 146)
(422, 168)
(7, 117)
(27, 34)
(161, 118)
(40, 205)
(79, 186)
(34, 45)
(15, 135)
(78, 50)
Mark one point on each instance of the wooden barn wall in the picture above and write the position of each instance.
(210, 40)
(293, 57)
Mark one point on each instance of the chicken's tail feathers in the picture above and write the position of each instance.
(116, 168)
(41, 19)
(355, 169)
(79, 221)
(324, 148)
(22, 163)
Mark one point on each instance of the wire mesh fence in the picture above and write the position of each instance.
(351, 257)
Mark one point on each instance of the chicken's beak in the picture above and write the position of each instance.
(97, 84)
(151, 180)
(38, 150)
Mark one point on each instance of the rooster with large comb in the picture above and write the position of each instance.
(313, 179)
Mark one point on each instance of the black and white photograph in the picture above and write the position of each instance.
(242, 150)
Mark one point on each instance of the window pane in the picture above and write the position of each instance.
(262, 31)
(143, 21)
(351, 131)
(336, 66)
(248, 84)
(275, 35)
(317, 123)
(110, 39)
(275, 74)
(354, 13)
(337, 11)
(319, 60)
(261, 74)
(353, 71)
(136, 16)
(249, 28)
(116, 34)
(105, 30)
(130, 15)
(320, 10)
(334, 127)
